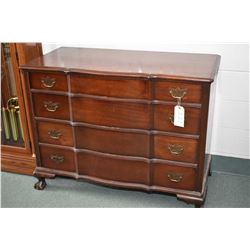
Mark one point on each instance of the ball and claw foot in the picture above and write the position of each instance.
(41, 184)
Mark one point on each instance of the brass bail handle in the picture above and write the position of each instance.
(178, 94)
(51, 106)
(174, 177)
(48, 82)
(176, 149)
(54, 134)
(57, 158)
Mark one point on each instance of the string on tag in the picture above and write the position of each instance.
(178, 101)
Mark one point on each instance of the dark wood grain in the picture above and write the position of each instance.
(162, 119)
(160, 176)
(199, 67)
(162, 91)
(114, 142)
(107, 167)
(111, 113)
(110, 86)
(115, 115)
(162, 151)
(66, 137)
(203, 128)
(67, 165)
(63, 106)
(60, 80)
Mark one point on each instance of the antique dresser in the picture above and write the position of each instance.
(130, 119)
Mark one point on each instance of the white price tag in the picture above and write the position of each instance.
(179, 115)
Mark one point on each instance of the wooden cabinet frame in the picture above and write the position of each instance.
(13, 158)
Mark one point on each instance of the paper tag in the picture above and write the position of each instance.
(179, 114)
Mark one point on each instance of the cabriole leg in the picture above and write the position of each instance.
(41, 184)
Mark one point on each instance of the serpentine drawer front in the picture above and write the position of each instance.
(107, 116)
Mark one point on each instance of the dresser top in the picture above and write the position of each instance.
(186, 66)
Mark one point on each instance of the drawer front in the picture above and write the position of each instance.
(163, 119)
(49, 81)
(110, 168)
(111, 113)
(113, 142)
(55, 133)
(168, 91)
(175, 148)
(113, 87)
(174, 176)
(51, 106)
(57, 158)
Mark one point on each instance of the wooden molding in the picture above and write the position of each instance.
(18, 163)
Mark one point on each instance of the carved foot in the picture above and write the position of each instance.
(41, 184)
(197, 205)
(197, 201)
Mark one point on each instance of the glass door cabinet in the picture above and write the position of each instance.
(17, 154)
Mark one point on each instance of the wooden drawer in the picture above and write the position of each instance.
(111, 168)
(176, 148)
(48, 81)
(110, 86)
(51, 106)
(164, 116)
(164, 90)
(174, 176)
(113, 142)
(111, 113)
(57, 158)
(55, 133)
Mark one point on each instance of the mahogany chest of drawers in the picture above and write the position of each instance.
(107, 116)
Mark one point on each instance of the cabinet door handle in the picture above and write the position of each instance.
(174, 177)
(177, 93)
(57, 158)
(48, 82)
(51, 106)
(54, 134)
(176, 149)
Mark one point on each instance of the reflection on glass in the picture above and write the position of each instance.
(11, 126)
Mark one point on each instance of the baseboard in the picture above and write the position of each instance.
(230, 165)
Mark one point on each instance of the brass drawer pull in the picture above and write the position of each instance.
(175, 149)
(174, 177)
(48, 82)
(51, 106)
(54, 134)
(57, 158)
(177, 92)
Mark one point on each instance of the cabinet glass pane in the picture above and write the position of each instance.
(11, 125)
